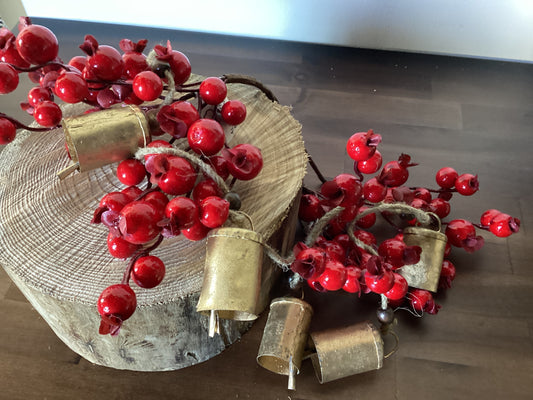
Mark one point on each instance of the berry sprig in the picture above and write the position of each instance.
(105, 77)
(345, 255)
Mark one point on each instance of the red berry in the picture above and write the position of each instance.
(371, 165)
(233, 112)
(395, 173)
(206, 137)
(392, 251)
(131, 172)
(37, 95)
(462, 233)
(37, 44)
(365, 237)
(176, 118)
(71, 87)
(503, 225)
(362, 145)
(114, 201)
(220, 166)
(174, 175)
(134, 63)
(422, 301)
(78, 62)
(132, 192)
(196, 232)
(213, 211)
(310, 208)
(459, 230)
(447, 274)
(182, 212)
(120, 248)
(206, 188)
(9, 78)
(105, 63)
(419, 204)
(488, 216)
(244, 161)
(398, 289)
(138, 222)
(181, 67)
(422, 193)
(309, 263)
(467, 184)
(48, 114)
(368, 220)
(378, 276)
(352, 284)
(213, 90)
(8, 50)
(380, 283)
(8, 131)
(345, 190)
(155, 144)
(159, 200)
(440, 207)
(147, 86)
(333, 277)
(446, 177)
(148, 271)
(117, 301)
(333, 250)
(374, 191)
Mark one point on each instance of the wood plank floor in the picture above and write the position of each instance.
(475, 115)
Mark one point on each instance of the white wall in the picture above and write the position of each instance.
(501, 29)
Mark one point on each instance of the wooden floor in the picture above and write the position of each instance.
(474, 115)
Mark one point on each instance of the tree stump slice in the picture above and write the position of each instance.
(61, 263)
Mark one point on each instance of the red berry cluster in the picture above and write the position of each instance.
(103, 77)
(347, 255)
(177, 199)
(165, 194)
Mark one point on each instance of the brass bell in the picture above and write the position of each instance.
(104, 137)
(347, 351)
(426, 273)
(232, 276)
(285, 336)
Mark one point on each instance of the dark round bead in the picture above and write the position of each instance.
(385, 316)
(234, 200)
(160, 69)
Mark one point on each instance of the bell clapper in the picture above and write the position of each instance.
(214, 326)
(292, 382)
(68, 170)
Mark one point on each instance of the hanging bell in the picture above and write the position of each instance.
(426, 273)
(284, 337)
(232, 276)
(104, 137)
(347, 351)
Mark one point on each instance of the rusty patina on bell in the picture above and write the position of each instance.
(426, 273)
(232, 276)
(346, 351)
(285, 336)
(104, 137)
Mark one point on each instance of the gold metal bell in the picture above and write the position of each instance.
(285, 336)
(232, 276)
(104, 137)
(347, 351)
(426, 273)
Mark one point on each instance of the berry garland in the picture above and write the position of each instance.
(341, 253)
(183, 185)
